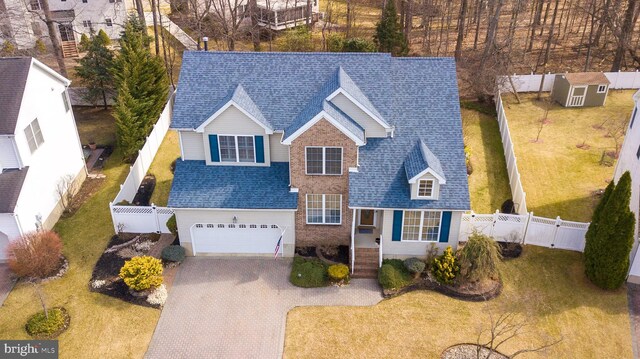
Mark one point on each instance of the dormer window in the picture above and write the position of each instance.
(236, 149)
(425, 188)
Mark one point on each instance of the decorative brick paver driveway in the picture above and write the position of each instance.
(237, 307)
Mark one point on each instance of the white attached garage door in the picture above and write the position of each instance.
(212, 238)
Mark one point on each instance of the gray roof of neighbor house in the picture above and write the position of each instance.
(587, 78)
(10, 186)
(417, 96)
(13, 78)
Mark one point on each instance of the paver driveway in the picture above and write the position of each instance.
(237, 307)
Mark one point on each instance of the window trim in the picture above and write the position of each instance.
(604, 90)
(33, 134)
(324, 161)
(433, 188)
(253, 138)
(108, 21)
(404, 216)
(324, 208)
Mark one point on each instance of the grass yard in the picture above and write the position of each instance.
(558, 177)
(95, 124)
(488, 183)
(101, 326)
(546, 286)
(160, 167)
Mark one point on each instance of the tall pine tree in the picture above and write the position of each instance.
(130, 131)
(610, 237)
(94, 69)
(389, 36)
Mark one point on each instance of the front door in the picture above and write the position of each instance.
(367, 217)
(66, 32)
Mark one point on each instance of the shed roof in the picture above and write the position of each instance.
(587, 78)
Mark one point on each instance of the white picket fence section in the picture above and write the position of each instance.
(531, 83)
(143, 219)
(517, 191)
(526, 229)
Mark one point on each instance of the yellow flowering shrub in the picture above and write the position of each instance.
(142, 273)
(445, 267)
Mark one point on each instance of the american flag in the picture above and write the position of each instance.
(277, 248)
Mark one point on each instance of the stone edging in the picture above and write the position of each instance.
(447, 290)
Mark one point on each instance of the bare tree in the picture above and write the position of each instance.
(228, 16)
(547, 104)
(65, 190)
(616, 130)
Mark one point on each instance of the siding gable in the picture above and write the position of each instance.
(371, 127)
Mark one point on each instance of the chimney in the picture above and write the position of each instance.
(206, 43)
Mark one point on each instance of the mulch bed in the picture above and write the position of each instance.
(469, 293)
(331, 255)
(90, 186)
(143, 196)
(107, 268)
(470, 351)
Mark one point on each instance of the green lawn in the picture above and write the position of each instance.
(546, 287)
(558, 177)
(488, 183)
(161, 167)
(95, 124)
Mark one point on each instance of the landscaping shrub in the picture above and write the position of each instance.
(40, 325)
(414, 265)
(40, 47)
(35, 255)
(339, 273)
(142, 273)
(308, 273)
(172, 225)
(479, 258)
(446, 268)
(173, 253)
(609, 238)
(393, 274)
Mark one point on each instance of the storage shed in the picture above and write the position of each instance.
(581, 89)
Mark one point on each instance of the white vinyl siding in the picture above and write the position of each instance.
(279, 152)
(8, 155)
(324, 209)
(192, 145)
(371, 127)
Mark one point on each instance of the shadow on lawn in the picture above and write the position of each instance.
(577, 210)
(494, 161)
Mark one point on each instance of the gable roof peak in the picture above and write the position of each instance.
(421, 161)
(241, 100)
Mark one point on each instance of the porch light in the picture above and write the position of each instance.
(235, 220)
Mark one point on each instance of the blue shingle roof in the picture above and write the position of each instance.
(418, 96)
(421, 158)
(346, 83)
(196, 185)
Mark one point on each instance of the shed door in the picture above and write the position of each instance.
(221, 238)
(577, 96)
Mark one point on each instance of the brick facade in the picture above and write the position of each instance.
(322, 133)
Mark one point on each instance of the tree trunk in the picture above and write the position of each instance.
(536, 23)
(544, 74)
(155, 27)
(461, 20)
(140, 11)
(255, 28)
(551, 32)
(625, 35)
(478, 20)
(349, 15)
(55, 39)
(491, 33)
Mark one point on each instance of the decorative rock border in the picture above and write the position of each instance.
(450, 291)
(469, 351)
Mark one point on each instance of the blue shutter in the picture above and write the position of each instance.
(259, 144)
(396, 234)
(633, 117)
(213, 146)
(445, 227)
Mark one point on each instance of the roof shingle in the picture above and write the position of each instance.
(13, 79)
(11, 182)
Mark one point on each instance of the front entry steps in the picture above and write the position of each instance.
(366, 263)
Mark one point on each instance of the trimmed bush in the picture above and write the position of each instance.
(414, 265)
(393, 274)
(479, 258)
(35, 255)
(446, 268)
(172, 225)
(308, 273)
(173, 253)
(41, 326)
(142, 273)
(339, 273)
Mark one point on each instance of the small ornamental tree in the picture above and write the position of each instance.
(142, 273)
(389, 36)
(129, 129)
(479, 258)
(35, 255)
(609, 238)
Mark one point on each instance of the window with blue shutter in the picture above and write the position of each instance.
(396, 234)
(445, 227)
(213, 147)
(259, 143)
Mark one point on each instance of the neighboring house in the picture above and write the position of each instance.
(582, 89)
(39, 146)
(629, 160)
(321, 148)
(284, 14)
(20, 21)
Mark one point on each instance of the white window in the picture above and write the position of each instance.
(425, 188)
(34, 135)
(324, 160)
(35, 5)
(109, 22)
(324, 209)
(602, 88)
(87, 23)
(421, 226)
(236, 149)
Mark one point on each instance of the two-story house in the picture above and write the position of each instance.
(39, 146)
(364, 150)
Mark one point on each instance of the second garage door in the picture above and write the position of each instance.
(227, 238)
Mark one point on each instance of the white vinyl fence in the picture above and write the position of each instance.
(531, 83)
(143, 219)
(526, 229)
(517, 191)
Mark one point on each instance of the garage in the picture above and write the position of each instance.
(232, 238)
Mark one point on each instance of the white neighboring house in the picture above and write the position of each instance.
(21, 24)
(629, 160)
(39, 145)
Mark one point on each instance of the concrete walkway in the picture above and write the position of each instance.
(237, 307)
(173, 29)
(6, 283)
